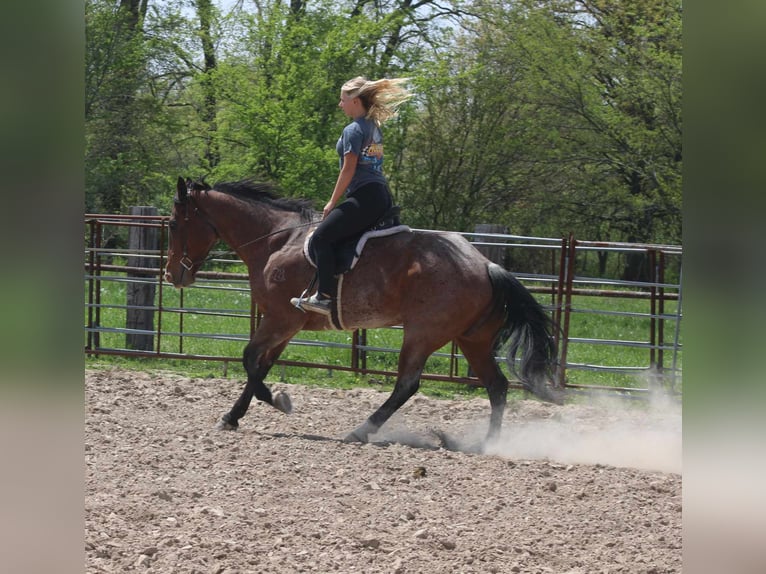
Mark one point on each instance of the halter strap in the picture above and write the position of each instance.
(186, 262)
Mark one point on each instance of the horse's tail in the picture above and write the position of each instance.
(529, 329)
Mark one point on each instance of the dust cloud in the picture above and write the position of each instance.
(609, 431)
(640, 433)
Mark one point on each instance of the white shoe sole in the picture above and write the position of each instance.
(315, 308)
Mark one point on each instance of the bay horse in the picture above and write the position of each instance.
(437, 286)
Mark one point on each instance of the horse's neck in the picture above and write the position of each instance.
(245, 226)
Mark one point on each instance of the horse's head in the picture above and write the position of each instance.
(191, 237)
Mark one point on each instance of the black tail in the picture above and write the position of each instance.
(529, 329)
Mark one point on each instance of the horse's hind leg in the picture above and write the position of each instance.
(412, 359)
(480, 355)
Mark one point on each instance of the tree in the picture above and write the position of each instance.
(548, 116)
(114, 64)
(555, 120)
(610, 72)
(138, 64)
(278, 116)
(455, 172)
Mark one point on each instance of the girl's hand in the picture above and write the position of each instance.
(327, 209)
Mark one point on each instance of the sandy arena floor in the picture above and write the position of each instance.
(578, 489)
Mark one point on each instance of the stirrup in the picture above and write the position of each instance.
(297, 302)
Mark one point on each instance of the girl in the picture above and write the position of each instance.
(361, 179)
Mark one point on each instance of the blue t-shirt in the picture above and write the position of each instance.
(365, 139)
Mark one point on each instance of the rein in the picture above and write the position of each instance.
(187, 263)
(275, 232)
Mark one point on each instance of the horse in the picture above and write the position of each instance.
(436, 285)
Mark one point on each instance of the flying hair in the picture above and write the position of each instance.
(381, 98)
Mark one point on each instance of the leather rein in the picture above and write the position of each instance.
(186, 262)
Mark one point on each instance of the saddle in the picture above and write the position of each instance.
(348, 252)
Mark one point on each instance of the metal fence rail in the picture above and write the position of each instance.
(559, 272)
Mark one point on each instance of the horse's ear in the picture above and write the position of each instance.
(181, 189)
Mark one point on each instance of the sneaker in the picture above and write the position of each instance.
(317, 304)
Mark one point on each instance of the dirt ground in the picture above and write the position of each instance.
(575, 489)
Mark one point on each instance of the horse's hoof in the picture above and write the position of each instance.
(361, 433)
(555, 395)
(548, 393)
(223, 425)
(446, 441)
(353, 437)
(281, 401)
(449, 443)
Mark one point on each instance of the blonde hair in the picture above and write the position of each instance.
(381, 98)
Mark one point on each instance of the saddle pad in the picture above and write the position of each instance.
(348, 256)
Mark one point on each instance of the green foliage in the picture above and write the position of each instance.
(278, 118)
(548, 117)
(554, 120)
(134, 66)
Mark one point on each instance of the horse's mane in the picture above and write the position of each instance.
(259, 192)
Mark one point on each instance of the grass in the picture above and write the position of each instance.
(226, 313)
(609, 319)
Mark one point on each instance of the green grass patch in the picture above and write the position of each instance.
(598, 330)
(188, 318)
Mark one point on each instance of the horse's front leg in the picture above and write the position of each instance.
(258, 359)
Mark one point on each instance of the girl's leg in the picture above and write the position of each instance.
(358, 212)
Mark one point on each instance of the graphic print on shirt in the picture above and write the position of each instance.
(372, 154)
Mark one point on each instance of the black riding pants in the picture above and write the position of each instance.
(361, 210)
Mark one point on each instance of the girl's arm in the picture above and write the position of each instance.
(344, 179)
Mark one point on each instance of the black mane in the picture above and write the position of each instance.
(256, 192)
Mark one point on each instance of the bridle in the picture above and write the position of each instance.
(186, 262)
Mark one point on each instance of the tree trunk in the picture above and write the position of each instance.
(602, 259)
(205, 14)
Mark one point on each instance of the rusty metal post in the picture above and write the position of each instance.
(161, 281)
(661, 310)
(97, 274)
(653, 310)
(558, 301)
(355, 349)
(567, 306)
(91, 269)
(554, 288)
(453, 366)
(363, 352)
(677, 331)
